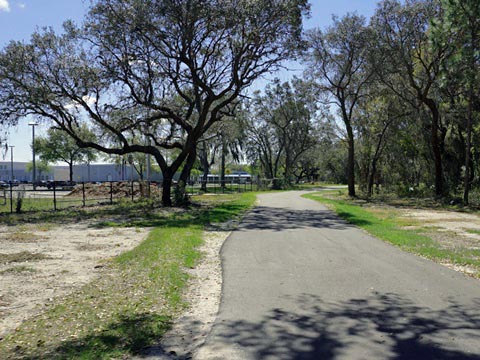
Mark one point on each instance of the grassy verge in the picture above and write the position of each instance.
(138, 293)
(385, 224)
(313, 186)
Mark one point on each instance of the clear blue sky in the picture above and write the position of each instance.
(19, 18)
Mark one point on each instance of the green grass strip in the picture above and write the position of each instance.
(390, 230)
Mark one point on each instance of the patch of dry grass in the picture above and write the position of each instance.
(23, 256)
(90, 247)
(22, 237)
(19, 270)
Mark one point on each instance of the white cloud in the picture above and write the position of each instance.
(4, 5)
(22, 5)
(89, 100)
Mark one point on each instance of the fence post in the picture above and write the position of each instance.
(111, 192)
(132, 190)
(83, 193)
(11, 197)
(54, 196)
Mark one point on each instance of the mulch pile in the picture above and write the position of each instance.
(119, 189)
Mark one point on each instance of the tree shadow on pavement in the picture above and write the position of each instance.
(379, 327)
(278, 219)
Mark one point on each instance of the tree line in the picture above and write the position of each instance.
(390, 102)
(396, 100)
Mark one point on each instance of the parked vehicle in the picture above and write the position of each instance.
(40, 183)
(60, 184)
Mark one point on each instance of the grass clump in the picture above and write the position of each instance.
(22, 237)
(23, 256)
(387, 225)
(18, 270)
(135, 298)
(473, 231)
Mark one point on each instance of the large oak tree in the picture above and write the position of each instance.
(163, 70)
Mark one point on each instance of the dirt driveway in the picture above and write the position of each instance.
(41, 262)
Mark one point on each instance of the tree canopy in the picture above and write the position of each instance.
(57, 146)
(387, 103)
(163, 70)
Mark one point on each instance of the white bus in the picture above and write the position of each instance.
(235, 178)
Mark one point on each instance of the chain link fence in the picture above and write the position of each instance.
(60, 194)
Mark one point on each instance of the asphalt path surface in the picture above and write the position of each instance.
(299, 283)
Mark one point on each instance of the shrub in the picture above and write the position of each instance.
(278, 184)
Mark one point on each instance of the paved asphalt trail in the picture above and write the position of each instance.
(301, 284)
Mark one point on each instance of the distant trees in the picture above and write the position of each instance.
(41, 167)
(403, 91)
(458, 29)
(282, 127)
(58, 146)
(406, 89)
(377, 117)
(222, 142)
(410, 66)
(206, 153)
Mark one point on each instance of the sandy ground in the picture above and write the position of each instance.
(455, 222)
(74, 255)
(451, 229)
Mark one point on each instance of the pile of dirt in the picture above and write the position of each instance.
(118, 189)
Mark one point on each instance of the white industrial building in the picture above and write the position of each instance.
(81, 172)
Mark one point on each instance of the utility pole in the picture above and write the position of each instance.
(11, 178)
(11, 162)
(34, 174)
